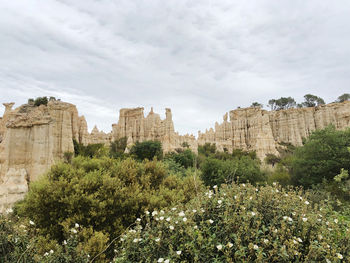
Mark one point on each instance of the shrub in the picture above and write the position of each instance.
(103, 196)
(239, 223)
(90, 150)
(147, 150)
(40, 101)
(216, 172)
(322, 156)
(117, 147)
(185, 158)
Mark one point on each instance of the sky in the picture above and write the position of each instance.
(200, 58)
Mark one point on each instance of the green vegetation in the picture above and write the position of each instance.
(147, 150)
(240, 223)
(312, 101)
(105, 205)
(282, 103)
(344, 97)
(321, 157)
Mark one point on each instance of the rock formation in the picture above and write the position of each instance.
(33, 138)
(260, 130)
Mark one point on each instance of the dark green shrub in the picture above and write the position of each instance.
(322, 156)
(117, 147)
(147, 150)
(185, 158)
(41, 101)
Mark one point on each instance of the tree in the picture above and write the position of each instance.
(206, 149)
(117, 147)
(282, 103)
(256, 104)
(147, 150)
(321, 157)
(272, 159)
(40, 101)
(344, 97)
(185, 158)
(312, 101)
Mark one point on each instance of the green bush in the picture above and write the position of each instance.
(90, 150)
(40, 101)
(117, 147)
(239, 223)
(216, 172)
(147, 150)
(322, 156)
(185, 158)
(106, 195)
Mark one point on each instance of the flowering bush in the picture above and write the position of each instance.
(240, 223)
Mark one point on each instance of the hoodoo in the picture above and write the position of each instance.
(33, 138)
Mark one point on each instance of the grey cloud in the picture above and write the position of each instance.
(201, 58)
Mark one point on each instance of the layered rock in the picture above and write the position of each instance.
(260, 130)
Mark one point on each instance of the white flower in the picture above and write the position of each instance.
(202, 210)
(327, 223)
(275, 230)
(171, 227)
(161, 212)
(176, 222)
(168, 219)
(256, 189)
(9, 210)
(121, 239)
(167, 261)
(274, 183)
(160, 260)
(135, 240)
(174, 208)
(154, 213)
(295, 242)
(184, 219)
(182, 213)
(256, 247)
(64, 242)
(31, 222)
(229, 244)
(253, 213)
(285, 217)
(235, 197)
(147, 212)
(211, 221)
(328, 261)
(304, 219)
(307, 202)
(157, 239)
(219, 247)
(76, 225)
(161, 218)
(286, 195)
(340, 256)
(219, 202)
(195, 227)
(243, 185)
(266, 241)
(277, 191)
(194, 211)
(74, 231)
(138, 219)
(178, 252)
(336, 221)
(290, 219)
(250, 198)
(51, 251)
(46, 254)
(215, 186)
(300, 240)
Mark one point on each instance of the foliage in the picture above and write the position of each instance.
(206, 149)
(323, 155)
(240, 223)
(67, 157)
(40, 101)
(312, 101)
(244, 169)
(256, 104)
(185, 158)
(344, 97)
(280, 175)
(147, 150)
(282, 103)
(103, 196)
(90, 150)
(272, 159)
(117, 147)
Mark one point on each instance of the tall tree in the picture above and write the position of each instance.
(312, 101)
(344, 97)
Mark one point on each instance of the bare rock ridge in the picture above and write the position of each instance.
(33, 138)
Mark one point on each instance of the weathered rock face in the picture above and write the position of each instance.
(135, 127)
(32, 138)
(262, 131)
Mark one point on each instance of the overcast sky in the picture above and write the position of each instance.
(200, 58)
